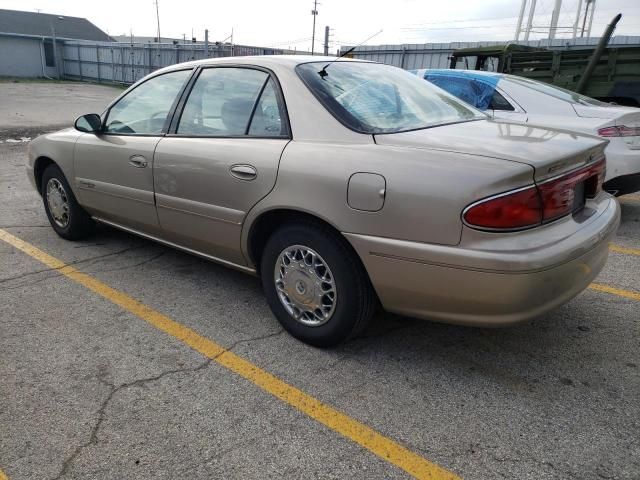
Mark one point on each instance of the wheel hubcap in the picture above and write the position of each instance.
(305, 285)
(58, 202)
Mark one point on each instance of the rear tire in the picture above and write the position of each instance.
(66, 216)
(315, 284)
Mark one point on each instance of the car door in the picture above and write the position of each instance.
(220, 158)
(113, 168)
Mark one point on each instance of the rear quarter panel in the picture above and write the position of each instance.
(426, 190)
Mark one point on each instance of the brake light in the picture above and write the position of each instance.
(519, 209)
(619, 131)
(532, 206)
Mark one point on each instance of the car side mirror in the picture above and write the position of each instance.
(89, 123)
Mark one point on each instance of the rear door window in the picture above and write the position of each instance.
(498, 102)
(268, 117)
(222, 102)
(470, 90)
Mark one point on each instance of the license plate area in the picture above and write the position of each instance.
(579, 197)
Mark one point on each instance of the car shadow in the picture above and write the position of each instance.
(517, 357)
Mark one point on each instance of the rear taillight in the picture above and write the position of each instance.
(514, 210)
(532, 206)
(619, 131)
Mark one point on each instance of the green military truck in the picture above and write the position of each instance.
(613, 77)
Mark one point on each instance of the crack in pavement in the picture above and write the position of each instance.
(125, 267)
(76, 262)
(88, 271)
(101, 414)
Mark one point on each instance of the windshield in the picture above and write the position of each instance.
(375, 98)
(557, 92)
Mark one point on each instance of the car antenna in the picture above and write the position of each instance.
(323, 73)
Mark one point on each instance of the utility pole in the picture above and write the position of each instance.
(206, 43)
(593, 11)
(553, 27)
(577, 21)
(532, 12)
(520, 18)
(158, 21)
(314, 12)
(588, 3)
(326, 40)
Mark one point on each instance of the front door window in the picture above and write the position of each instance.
(143, 111)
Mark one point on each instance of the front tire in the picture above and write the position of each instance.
(65, 214)
(315, 284)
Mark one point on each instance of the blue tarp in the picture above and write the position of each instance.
(476, 90)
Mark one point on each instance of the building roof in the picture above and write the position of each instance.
(40, 25)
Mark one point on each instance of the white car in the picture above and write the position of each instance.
(537, 103)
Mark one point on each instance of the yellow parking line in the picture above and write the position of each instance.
(3, 476)
(598, 287)
(627, 251)
(337, 421)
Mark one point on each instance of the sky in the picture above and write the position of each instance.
(288, 23)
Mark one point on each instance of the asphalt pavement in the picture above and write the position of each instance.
(94, 387)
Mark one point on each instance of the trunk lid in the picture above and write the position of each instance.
(615, 116)
(550, 152)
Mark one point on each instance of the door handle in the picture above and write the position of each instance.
(138, 161)
(243, 172)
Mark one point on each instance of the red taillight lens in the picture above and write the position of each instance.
(619, 131)
(515, 210)
(539, 204)
(558, 196)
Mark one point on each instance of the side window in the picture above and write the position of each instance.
(472, 91)
(459, 87)
(498, 102)
(144, 109)
(221, 102)
(268, 118)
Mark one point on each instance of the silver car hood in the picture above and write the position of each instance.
(549, 151)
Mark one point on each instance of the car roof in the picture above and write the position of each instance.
(267, 61)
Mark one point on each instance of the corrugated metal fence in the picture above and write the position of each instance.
(436, 55)
(116, 62)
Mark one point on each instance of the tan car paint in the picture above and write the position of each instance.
(421, 259)
(200, 203)
(114, 178)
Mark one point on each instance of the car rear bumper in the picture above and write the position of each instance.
(622, 161)
(489, 286)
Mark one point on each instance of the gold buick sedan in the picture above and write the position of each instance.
(345, 185)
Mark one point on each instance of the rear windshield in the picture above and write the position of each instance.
(376, 98)
(557, 92)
